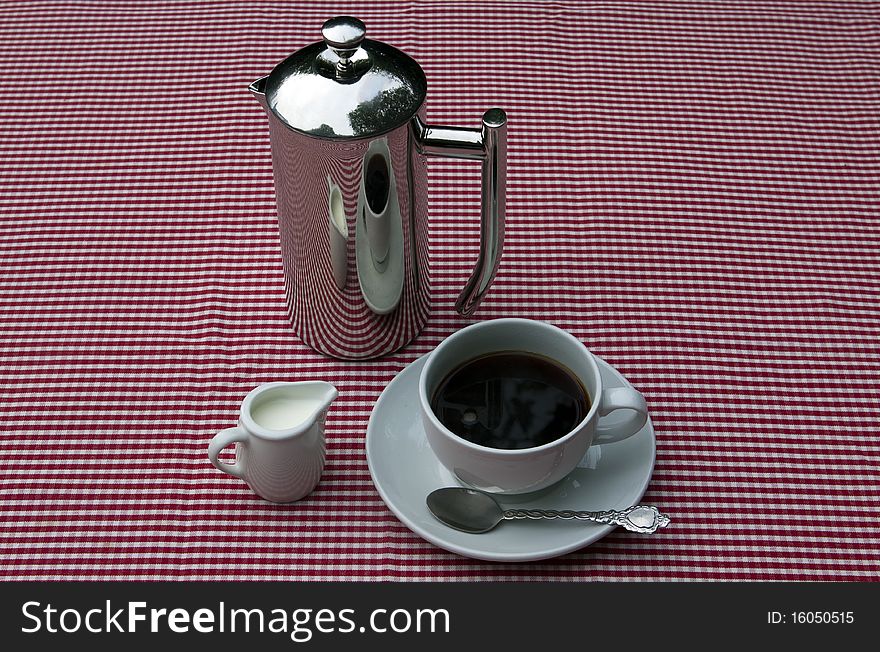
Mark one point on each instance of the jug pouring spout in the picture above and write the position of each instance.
(258, 90)
(315, 397)
(324, 391)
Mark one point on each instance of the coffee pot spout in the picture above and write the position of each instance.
(258, 90)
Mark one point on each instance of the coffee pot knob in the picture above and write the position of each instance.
(343, 35)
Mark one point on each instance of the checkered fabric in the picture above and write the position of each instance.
(693, 192)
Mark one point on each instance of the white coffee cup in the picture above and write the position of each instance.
(513, 471)
(280, 439)
(377, 210)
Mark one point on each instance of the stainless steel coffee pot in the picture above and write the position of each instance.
(349, 142)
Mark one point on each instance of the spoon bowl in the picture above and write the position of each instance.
(467, 510)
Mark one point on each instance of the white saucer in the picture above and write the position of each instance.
(405, 471)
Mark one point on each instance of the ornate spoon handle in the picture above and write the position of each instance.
(640, 518)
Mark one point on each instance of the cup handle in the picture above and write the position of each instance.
(621, 398)
(220, 441)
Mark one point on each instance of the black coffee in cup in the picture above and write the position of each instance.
(376, 184)
(511, 400)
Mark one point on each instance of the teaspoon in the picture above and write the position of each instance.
(475, 512)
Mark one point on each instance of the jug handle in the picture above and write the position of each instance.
(488, 144)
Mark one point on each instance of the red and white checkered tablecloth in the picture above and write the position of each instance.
(693, 191)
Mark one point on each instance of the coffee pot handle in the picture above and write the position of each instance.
(488, 144)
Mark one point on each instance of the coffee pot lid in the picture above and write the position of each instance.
(346, 87)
